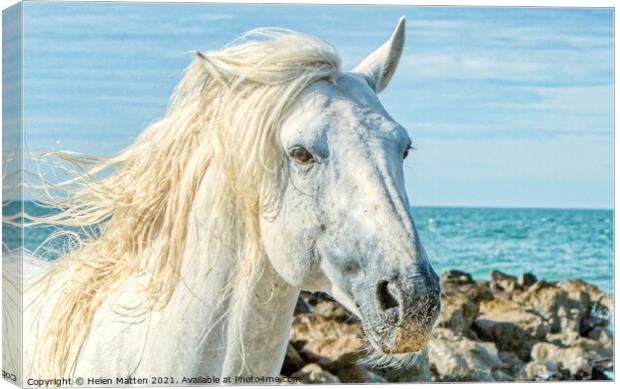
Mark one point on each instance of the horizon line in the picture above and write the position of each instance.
(479, 206)
(540, 207)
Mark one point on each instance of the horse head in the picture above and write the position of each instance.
(343, 225)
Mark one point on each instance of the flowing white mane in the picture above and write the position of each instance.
(225, 112)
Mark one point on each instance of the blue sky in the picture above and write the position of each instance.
(507, 106)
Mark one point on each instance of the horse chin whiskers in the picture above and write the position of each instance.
(377, 359)
(374, 356)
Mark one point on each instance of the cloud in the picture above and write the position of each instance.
(584, 101)
(551, 49)
(208, 17)
(558, 112)
(469, 67)
(554, 67)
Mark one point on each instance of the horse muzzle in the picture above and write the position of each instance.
(404, 314)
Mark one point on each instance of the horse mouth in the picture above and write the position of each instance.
(403, 337)
(395, 356)
(400, 340)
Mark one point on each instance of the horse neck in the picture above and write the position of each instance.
(243, 327)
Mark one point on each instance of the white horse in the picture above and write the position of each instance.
(271, 173)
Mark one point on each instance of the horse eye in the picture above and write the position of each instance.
(301, 155)
(406, 153)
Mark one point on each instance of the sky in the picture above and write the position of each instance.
(507, 107)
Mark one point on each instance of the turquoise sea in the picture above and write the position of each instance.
(551, 243)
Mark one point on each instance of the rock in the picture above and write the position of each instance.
(510, 327)
(509, 358)
(540, 371)
(325, 341)
(502, 282)
(554, 305)
(454, 282)
(314, 374)
(458, 313)
(576, 288)
(292, 361)
(511, 362)
(601, 334)
(455, 277)
(317, 327)
(498, 304)
(455, 358)
(603, 369)
(564, 339)
(574, 359)
(483, 291)
(332, 310)
(597, 306)
(596, 349)
(599, 374)
(357, 374)
(600, 343)
(597, 315)
(302, 306)
(418, 371)
(526, 280)
(499, 330)
(501, 376)
(333, 353)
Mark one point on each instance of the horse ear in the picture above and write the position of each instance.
(379, 67)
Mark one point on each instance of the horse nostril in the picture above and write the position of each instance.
(386, 299)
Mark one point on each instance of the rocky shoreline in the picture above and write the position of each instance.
(506, 329)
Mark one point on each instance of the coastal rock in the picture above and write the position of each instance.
(510, 327)
(292, 361)
(302, 306)
(501, 376)
(561, 312)
(458, 313)
(333, 353)
(599, 348)
(540, 371)
(314, 374)
(598, 314)
(602, 335)
(453, 357)
(511, 362)
(418, 371)
(576, 288)
(564, 339)
(455, 277)
(508, 358)
(326, 341)
(597, 306)
(332, 310)
(574, 359)
(502, 283)
(317, 327)
(358, 375)
(526, 280)
(454, 282)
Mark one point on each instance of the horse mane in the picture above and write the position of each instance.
(224, 113)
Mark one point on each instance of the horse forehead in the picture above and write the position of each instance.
(346, 103)
(346, 89)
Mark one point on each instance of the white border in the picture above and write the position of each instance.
(507, 3)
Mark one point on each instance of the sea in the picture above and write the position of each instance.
(553, 244)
